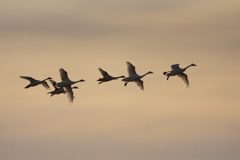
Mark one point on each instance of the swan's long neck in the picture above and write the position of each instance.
(145, 74)
(45, 79)
(187, 67)
(118, 77)
(78, 81)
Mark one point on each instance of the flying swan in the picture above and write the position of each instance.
(34, 82)
(58, 90)
(134, 77)
(176, 70)
(106, 76)
(66, 84)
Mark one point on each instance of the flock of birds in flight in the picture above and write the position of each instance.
(65, 86)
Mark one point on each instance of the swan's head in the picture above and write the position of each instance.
(75, 87)
(82, 80)
(122, 77)
(193, 64)
(49, 78)
(164, 73)
(150, 72)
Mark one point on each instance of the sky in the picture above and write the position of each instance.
(110, 121)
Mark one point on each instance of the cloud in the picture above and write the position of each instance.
(81, 17)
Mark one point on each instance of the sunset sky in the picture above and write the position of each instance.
(109, 121)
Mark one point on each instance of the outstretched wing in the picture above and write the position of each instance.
(45, 85)
(131, 69)
(175, 67)
(104, 73)
(53, 83)
(28, 78)
(63, 74)
(184, 77)
(140, 84)
(69, 92)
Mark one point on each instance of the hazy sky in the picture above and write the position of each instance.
(110, 121)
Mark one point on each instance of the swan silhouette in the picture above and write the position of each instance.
(58, 90)
(34, 82)
(134, 77)
(106, 76)
(66, 84)
(176, 70)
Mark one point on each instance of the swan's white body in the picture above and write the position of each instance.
(58, 90)
(106, 76)
(34, 82)
(134, 77)
(176, 70)
(66, 84)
